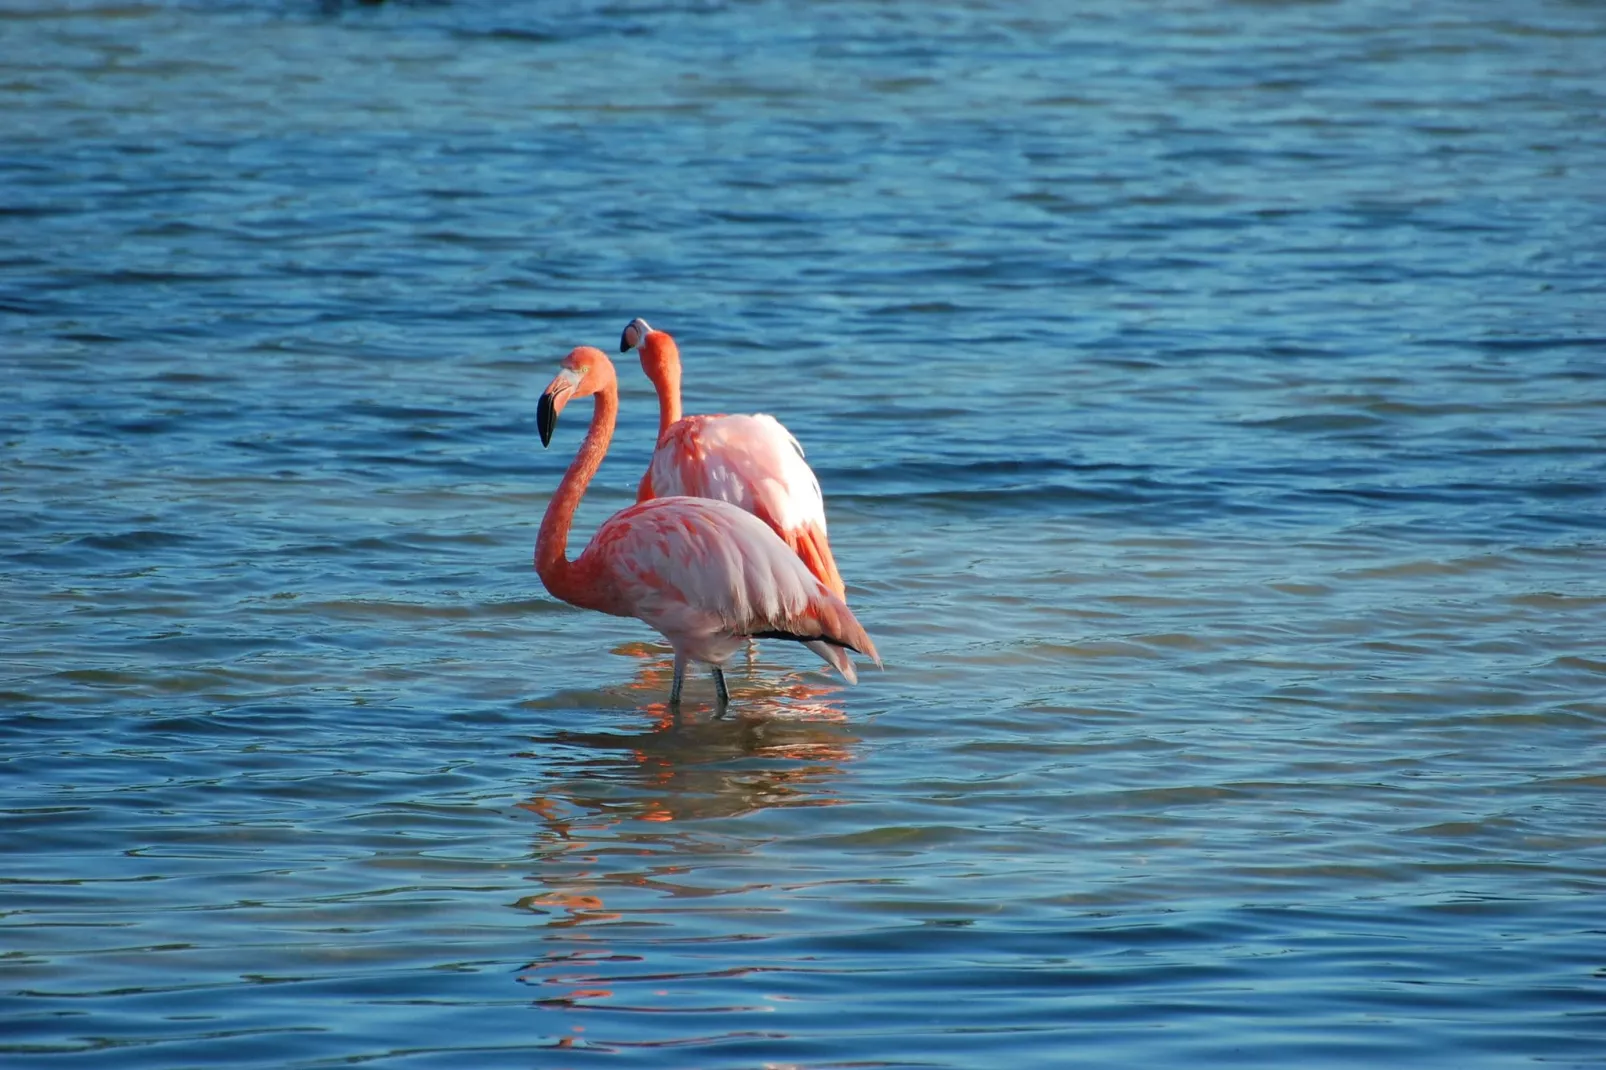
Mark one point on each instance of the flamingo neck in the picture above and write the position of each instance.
(664, 371)
(552, 562)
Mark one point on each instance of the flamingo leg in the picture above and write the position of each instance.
(680, 678)
(722, 697)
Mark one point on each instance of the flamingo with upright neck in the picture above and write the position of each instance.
(751, 461)
(704, 573)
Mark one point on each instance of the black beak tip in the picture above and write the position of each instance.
(624, 341)
(546, 419)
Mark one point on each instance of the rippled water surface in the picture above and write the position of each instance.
(1211, 404)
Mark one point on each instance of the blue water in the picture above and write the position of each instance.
(1210, 400)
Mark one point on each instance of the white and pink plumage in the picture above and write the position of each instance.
(751, 461)
(705, 574)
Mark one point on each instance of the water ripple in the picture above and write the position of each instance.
(1207, 407)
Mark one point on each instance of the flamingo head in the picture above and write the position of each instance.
(585, 371)
(660, 357)
(636, 332)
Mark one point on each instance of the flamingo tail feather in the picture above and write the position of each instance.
(810, 544)
(836, 657)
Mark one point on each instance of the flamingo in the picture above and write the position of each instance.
(705, 574)
(750, 461)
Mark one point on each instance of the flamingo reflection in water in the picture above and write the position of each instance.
(613, 848)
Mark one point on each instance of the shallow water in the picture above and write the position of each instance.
(1211, 404)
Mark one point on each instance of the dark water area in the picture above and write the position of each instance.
(1210, 401)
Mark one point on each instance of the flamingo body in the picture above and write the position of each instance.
(751, 461)
(754, 463)
(708, 575)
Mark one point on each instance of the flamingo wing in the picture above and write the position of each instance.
(755, 463)
(708, 575)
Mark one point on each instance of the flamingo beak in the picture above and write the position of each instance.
(546, 418)
(557, 395)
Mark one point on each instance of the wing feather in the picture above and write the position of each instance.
(707, 574)
(750, 461)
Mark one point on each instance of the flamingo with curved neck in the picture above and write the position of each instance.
(751, 461)
(704, 573)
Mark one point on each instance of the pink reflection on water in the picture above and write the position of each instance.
(623, 827)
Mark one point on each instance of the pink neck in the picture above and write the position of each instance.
(552, 544)
(663, 368)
